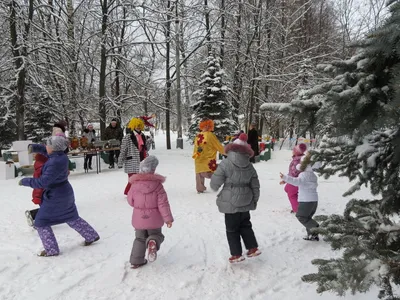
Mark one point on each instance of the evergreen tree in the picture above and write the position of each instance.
(38, 119)
(7, 122)
(359, 112)
(212, 102)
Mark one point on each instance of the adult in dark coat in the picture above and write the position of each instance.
(58, 200)
(253, 141)
(113, 132)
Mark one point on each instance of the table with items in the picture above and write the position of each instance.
(95, 149)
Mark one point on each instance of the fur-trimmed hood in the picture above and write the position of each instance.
(147, 177)
(146, 183)
(239, 154)
(244, 149)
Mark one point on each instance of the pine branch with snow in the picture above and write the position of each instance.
(360, 116)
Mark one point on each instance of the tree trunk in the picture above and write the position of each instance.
(223, 29)
(236, 75)
(118, 68)
(179, 143)
(20, 54)
(208, 31)
(254, 99)
(268, 62)
(73, 66)
(103, 65)
(168, 75)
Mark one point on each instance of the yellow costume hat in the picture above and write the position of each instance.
(136, 123)
(207, 123)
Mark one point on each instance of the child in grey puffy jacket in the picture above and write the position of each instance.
(308, 195)
(239, 195)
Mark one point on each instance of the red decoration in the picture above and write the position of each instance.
(200, 138)
(212, 165)
(146, 121)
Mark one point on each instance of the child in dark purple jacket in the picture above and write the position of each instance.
(291, 190)
(58, 200)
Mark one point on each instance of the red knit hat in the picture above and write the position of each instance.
(242, 140)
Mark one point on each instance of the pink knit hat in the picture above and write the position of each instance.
(242, 140)
(300, 149)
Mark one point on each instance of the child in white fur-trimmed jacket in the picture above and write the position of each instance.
(308, 195)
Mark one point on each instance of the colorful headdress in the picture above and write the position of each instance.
(207, 123)
(136, 123)
(146, 121)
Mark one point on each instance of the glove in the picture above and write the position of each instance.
(29, 149)
(20, 182)
(37, 201)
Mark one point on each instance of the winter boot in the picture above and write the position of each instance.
(44, 254)
(86, 243)
(111, 166)
(152, 250)
(236, 258)
(136, 266)
(253, 252)
(29, 218)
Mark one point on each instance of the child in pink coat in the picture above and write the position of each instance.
(151, 210)
(291, 190)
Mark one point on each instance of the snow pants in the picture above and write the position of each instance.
(293, 193)
(305, 213)
(139, 247)
(49, 241)
(238, 225)
(200, 180)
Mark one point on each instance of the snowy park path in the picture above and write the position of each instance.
(193, 261)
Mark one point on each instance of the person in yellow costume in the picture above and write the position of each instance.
(206, 146)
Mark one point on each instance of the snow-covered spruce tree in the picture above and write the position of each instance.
(7, 121)
(212, 102)
(363, 144)
(38, 119)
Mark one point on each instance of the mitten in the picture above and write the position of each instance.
(37, 201)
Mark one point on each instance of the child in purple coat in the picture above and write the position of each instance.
(291, 190)
(58, 200)
(151, 210)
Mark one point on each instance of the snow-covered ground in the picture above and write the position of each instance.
(193, 261)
